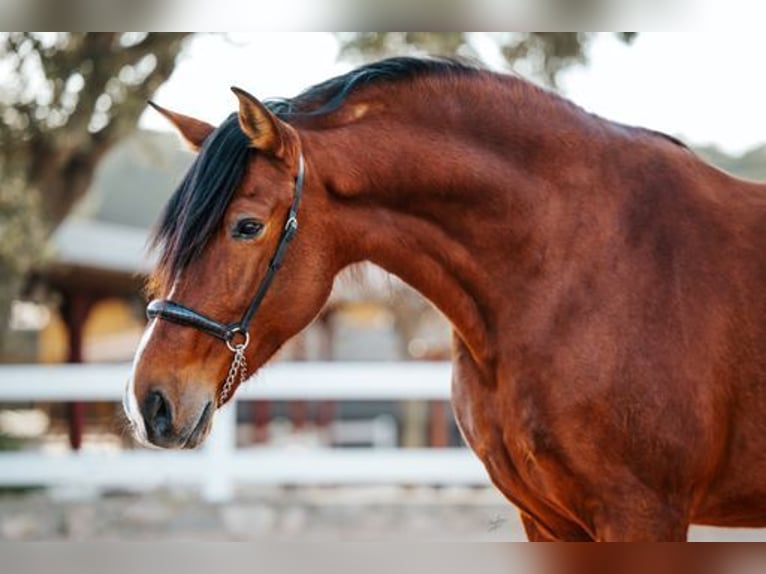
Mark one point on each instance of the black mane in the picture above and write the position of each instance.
(195, 210)
(328, 96)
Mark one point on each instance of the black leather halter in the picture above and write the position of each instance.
(181, 315)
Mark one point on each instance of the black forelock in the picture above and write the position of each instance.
(196, 209)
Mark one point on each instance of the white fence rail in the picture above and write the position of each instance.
(220, 466)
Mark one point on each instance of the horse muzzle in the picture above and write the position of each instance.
(181, 423)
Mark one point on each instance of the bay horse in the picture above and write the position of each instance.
(606, 287)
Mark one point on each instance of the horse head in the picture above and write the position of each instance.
(221, 308)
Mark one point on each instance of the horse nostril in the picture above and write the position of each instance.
(157, 414)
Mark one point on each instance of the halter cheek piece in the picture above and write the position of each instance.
(228, 332)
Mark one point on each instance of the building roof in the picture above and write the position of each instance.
(102, 245)
(109, 228)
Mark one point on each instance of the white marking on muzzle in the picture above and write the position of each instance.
(129, 400)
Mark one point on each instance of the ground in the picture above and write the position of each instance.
(306, 514)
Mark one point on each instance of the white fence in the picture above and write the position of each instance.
(220, 466)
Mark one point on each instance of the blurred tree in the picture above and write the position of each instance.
(66, 98)
(545, 54)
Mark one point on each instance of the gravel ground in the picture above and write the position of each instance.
(305, 514)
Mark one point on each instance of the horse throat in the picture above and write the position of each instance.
(444, 271)
(437, 246)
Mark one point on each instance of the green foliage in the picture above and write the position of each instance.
(21, 232)
(8, 442)
(68, 98)
(21, 238)
(751, 165)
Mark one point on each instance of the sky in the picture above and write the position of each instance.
(706, 88)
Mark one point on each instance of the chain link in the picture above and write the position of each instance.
(238, 365)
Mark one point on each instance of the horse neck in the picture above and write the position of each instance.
(456, 205)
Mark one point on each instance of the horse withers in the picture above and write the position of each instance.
(606, 287)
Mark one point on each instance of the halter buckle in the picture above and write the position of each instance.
(291, 226)
(243, 345)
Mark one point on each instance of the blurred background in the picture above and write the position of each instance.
(348, 434)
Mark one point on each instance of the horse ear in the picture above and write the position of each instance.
(194, 131)
(267, 133)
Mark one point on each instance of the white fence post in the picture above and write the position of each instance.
(220, 450)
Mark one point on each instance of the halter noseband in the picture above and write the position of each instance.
(181, 315)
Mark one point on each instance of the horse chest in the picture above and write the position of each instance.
(502, 430)
(508, 440)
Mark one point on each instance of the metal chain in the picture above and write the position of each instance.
(238, 365)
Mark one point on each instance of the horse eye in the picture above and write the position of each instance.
(247, 229)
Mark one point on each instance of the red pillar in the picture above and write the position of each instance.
(75, 310)
(261, 417)
(325, 413)
(298, 411)
(326, 410)
(299, 414)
